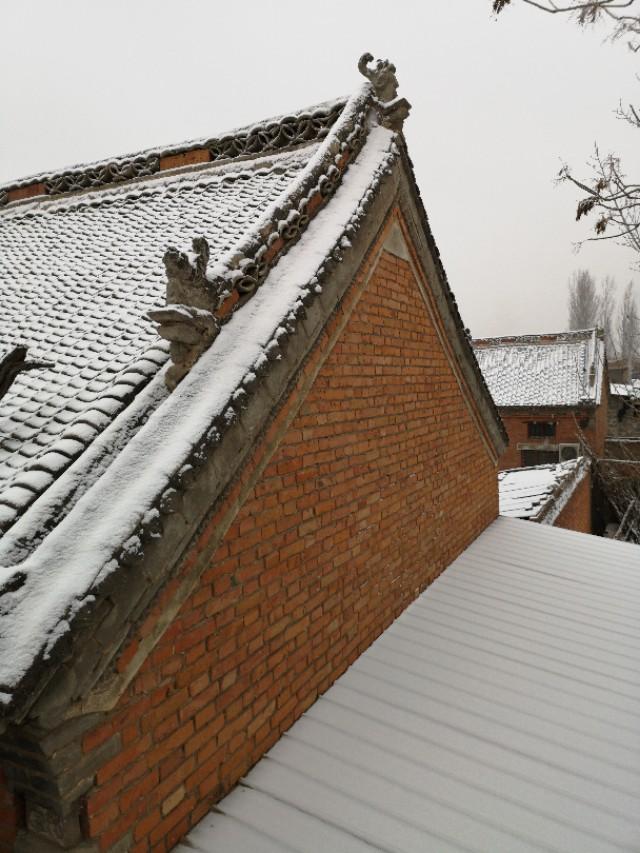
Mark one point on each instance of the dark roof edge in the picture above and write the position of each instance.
(549, 407)
(540, 338)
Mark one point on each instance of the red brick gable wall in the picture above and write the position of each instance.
(380, 480)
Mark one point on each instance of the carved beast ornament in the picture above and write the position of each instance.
(188, 320)
(382, 75)
(392, 110)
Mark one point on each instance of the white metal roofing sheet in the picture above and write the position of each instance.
(500, 712)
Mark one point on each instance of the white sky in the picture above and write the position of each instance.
(497, 105)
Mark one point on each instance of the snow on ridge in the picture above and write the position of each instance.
(61, 571)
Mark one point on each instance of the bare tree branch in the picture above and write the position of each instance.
(608, 194)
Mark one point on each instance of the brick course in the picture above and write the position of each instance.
(380, 480)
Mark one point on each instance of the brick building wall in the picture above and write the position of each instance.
(566, 433)
(10, 816)
(366, 500)
(577, 514)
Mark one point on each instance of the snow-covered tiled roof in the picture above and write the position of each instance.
(540, 492)
(77, 278)
(563, 369)
(625, 389)
(88, 449)
(499, 714)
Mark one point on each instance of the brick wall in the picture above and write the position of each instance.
(380, 480)
(516, 426)
(10, 816)
(577, 513)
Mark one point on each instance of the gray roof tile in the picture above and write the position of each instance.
(77, 278)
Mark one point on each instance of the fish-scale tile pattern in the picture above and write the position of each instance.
(77, 278)
(555, 374)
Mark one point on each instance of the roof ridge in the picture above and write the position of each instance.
(271, 134)
(171, 181)
(537, 337)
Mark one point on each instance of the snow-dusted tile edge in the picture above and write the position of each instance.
(59, 575)
(540, 492)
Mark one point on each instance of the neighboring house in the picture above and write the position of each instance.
(551, 392)
(558, 494)
(624, 410)
(201, 535)
(209, 515)
(623, 431)
(620, 470)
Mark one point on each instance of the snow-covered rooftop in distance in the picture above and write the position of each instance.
(540, 492)
(562, 369)
(499, 714)
(625, 389)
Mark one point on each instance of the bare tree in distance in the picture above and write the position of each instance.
(584, 305)
(606, 312)
(608, 192)
(628, 328)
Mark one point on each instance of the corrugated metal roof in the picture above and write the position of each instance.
(500, 712)
(563, 369)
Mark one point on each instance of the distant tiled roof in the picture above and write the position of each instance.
(539, 493)
(499, 713)
(563, 369)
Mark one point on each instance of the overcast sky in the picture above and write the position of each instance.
(497, 106)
